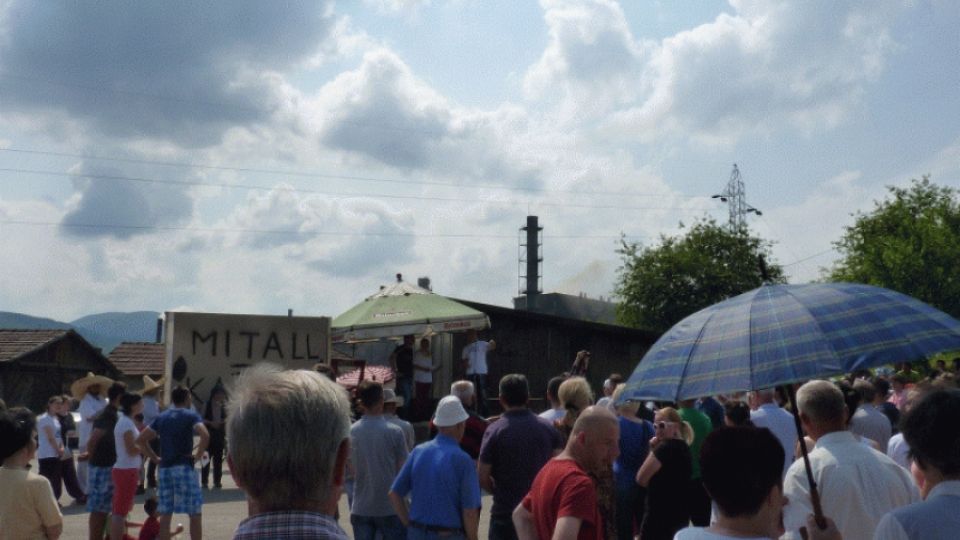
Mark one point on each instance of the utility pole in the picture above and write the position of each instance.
(736, 198)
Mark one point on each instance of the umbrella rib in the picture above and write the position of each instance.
(816, 322)
(750, 359)
(686, 360)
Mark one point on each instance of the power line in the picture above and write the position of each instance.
(814, 256)
(121, 226)
(303, 174)
(228, 185)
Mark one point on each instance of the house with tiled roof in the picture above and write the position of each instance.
(37, 364)
(135, 359)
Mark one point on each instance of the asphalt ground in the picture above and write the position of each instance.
(223, 510)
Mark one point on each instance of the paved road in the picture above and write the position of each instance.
(222, 511)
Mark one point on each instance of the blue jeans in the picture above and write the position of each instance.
(414, 533)
(367, 527)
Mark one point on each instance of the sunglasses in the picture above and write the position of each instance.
(663, 425)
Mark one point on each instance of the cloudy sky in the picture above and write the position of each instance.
(232, 156)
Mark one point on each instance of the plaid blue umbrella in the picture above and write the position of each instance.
(779, 334)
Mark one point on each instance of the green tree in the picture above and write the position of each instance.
(910, 243)
(659, 285)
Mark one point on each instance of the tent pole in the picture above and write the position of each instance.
(814, 494)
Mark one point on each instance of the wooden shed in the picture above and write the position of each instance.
(542, 346)
(36, 364)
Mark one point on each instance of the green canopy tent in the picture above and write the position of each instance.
(403, 309)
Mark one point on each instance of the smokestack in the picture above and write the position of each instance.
(532, 259)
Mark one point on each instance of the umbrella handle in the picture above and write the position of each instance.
(814, 494)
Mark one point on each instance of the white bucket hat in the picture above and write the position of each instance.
(389, 396)
(450, 412)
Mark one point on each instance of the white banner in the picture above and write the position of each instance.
(205, 348)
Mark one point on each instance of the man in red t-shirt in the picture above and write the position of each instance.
(562, 503)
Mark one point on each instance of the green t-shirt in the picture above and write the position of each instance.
(701, 428)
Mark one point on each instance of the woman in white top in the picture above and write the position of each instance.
(423, 379)
(50, 447)
(126, 470)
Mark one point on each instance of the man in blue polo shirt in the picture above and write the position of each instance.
(178, 480)
(442, 482)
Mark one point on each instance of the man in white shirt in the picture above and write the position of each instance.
(857, 484)
(933, 433)
(90, 390)
(556, 410)
(868, 421)
(767, 414)
(474, 359)
(740, 467)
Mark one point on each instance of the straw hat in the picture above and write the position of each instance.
(80, 386)
(149, 385)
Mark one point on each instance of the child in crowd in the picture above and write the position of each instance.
(151, 527)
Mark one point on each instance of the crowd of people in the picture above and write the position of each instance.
(884, 450)
(118, 434)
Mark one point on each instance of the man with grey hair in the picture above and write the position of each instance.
(288, 440)
(476, 425)
(857, 484)
(766, 413)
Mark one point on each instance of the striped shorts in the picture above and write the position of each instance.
(179, 490)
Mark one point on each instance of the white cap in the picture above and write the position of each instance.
(450, 412)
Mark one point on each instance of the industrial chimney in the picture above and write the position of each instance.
(531, 257)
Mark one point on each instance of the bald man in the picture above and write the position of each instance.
(562, 503)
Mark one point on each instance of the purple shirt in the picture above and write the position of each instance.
(516, 447)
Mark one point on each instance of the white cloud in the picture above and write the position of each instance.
(803, 64)
(147, 71)
(595, 92)
(405, 7)
(107, 204)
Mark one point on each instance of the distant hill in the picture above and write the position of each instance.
(104, 330)
(21, 321)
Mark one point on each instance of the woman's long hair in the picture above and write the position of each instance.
(686, 430)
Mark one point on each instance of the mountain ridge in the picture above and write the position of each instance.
(104, 330)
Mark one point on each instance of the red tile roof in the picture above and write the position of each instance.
(138, 358)
(17, 343)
